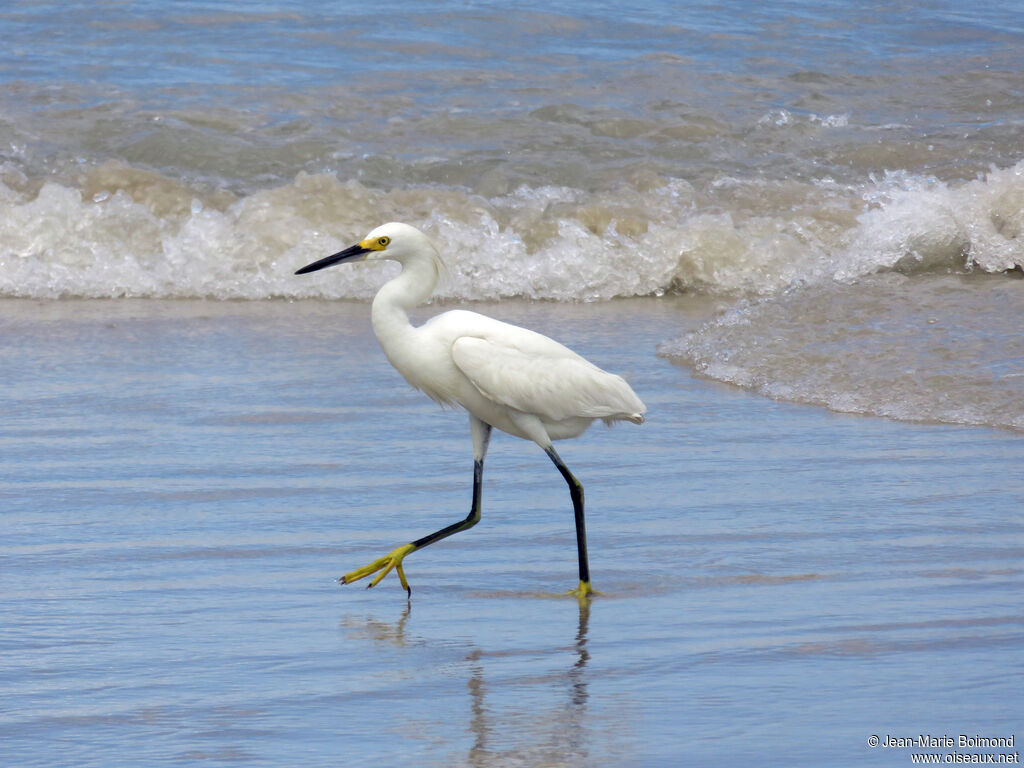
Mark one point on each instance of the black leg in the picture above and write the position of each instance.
(576, 491)
(393, 560)
(471, 519)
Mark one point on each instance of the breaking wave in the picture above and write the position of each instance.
(119, 231)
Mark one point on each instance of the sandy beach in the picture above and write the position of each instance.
(184, 481)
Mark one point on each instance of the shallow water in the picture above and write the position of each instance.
(183, 481)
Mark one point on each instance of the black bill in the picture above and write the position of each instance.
(349, 254)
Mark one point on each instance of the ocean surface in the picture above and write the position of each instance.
(773, 218)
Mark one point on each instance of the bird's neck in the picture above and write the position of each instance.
(393, 301)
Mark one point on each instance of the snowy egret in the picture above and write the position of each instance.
(505, 376)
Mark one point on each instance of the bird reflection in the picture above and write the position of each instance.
(380, 632)
(567, 732)
(556, 732)
(479, 754)
(576, 676)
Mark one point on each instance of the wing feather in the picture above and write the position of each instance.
(537, 375)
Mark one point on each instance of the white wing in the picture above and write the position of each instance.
(534, 374)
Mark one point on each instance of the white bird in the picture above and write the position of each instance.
(505, 376)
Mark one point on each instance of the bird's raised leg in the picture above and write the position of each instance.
(576, 492)
(393, 560)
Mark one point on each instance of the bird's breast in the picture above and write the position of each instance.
(425, 363)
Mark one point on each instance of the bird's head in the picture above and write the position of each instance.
(394, 241)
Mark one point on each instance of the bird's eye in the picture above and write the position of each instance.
(383, 241)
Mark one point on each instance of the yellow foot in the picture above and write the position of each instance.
(391, 560)
(583, 591)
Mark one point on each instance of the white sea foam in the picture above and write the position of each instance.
(917, 224)
(127, 232)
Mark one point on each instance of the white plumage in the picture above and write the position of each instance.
(542, 377)
(505, 376)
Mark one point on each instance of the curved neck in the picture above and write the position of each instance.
(391, 304)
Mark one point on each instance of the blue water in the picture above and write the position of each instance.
(216, 54)
(143, 45)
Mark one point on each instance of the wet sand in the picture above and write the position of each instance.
(182, 482)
